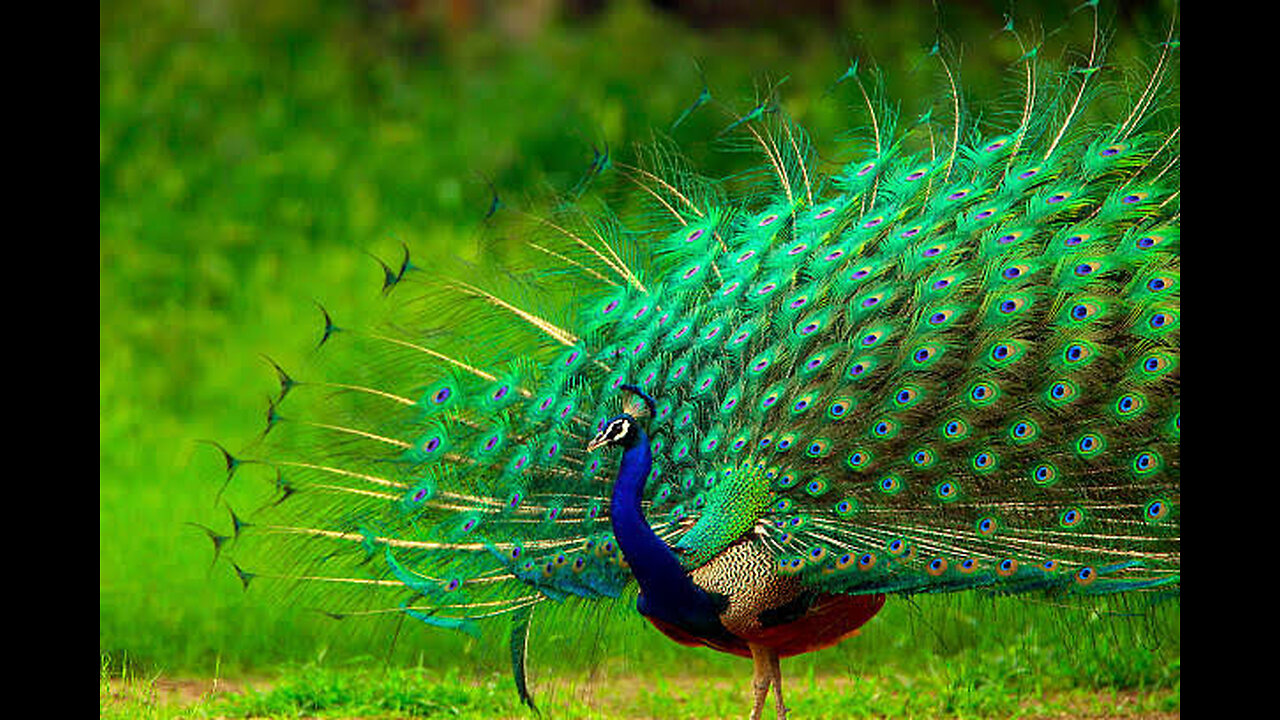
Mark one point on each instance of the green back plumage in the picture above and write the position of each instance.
(950, 363)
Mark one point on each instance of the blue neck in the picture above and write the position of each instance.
(666, 591)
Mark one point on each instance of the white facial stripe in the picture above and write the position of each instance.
(617, 429)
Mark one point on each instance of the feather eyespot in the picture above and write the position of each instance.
(817, 448)
(1130, 404)
(1089, 444)
(858, 459)
(984, 461)
(1071, 517)
(838, 408)
(1011, 305)
(946, 490)
(1156, 510)
(922, 458)
(983, 393)
(1160, 320)
(861, 367)
(1024, 431)
(1146, 463)
(1085, 269)
(955, 429)
(906, 397)
(1085, 311)
(1077, 353)
(884, 429)
(1146, 242)
(1062, 392)
(1156, 363)
(1044, 474)
(924, 354)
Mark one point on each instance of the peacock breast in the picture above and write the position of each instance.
(745, 574)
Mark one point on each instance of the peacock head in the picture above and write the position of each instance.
(624, 430)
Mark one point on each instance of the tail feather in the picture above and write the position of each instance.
(949, 363)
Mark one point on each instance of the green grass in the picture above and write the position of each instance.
(379, 692)
(251, 154)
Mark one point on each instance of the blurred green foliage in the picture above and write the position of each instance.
(253, 154)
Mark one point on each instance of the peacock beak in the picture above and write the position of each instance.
(597, 442)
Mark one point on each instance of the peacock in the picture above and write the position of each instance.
(769, 401)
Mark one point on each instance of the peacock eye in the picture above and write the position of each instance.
(618, 430)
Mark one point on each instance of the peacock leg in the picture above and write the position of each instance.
(762, 677)
(775, 667)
